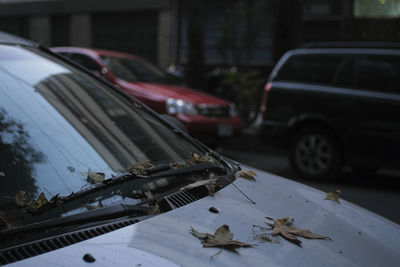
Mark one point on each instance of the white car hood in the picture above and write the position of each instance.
(359, 237)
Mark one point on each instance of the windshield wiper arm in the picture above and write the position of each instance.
(162, 171)
(200, 167)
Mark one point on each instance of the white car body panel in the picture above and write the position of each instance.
(359, 237)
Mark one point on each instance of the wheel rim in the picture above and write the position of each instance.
(313, 154)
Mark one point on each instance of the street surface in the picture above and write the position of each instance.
(379, 193)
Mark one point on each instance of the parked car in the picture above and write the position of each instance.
(89, 174)
(333, 104)
(206, 117)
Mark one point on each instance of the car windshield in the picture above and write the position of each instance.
(137, 70)
(58, 125)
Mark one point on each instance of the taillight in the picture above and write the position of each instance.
(267, 88)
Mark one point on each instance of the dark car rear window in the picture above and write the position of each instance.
(312, 68)
(376, 72)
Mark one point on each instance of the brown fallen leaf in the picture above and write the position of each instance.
(246, 174)
(38, 203)
(210, 184)
(95, 177)
(222, 238)
(23, 199)
(92, 207)
(176, 165)
(282, 227)
(334, 195)
(195, 159)
(140, 168)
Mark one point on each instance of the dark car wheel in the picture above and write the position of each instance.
(315, 154)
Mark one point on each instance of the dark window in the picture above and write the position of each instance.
(60, 30)
(380, 73)
(131, 32)
(314, 68)
(86, 62)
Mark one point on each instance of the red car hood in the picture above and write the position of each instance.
(162, 91)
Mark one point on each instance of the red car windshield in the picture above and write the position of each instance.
(133, 70)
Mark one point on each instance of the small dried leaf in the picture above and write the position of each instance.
(282, 227)
(246, 174)
(334, 195)
(95, 177)
(137, 105)
(210, 184)
(99, 206)
(197, 234)
(22, 198)
(38, 203)
(176, 165)
(222, 238)
(140, 168)
(195, 159)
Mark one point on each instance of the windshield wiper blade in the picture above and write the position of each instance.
(115, 211)
(159, 172)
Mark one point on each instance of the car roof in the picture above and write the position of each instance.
(7, 38)
(92, 51)
(376, 45)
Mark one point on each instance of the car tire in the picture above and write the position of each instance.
(315, 154)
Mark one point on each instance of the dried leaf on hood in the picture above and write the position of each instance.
(334, 195)
(22, 198)
(95, 177)
(222, 238)
(210, 184)
(246, 174)
(195, 159)
(176, 165)
(140, 168)
(38, 203)
(92, 207)
(282, 227)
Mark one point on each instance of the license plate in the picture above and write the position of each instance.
(225, 130)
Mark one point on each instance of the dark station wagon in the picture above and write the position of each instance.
(333, 104)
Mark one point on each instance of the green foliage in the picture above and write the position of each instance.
(245, 89)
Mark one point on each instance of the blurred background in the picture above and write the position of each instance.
(226, 48)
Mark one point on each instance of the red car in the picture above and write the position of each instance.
(206, 117)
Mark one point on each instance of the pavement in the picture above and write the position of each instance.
(378, 192)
